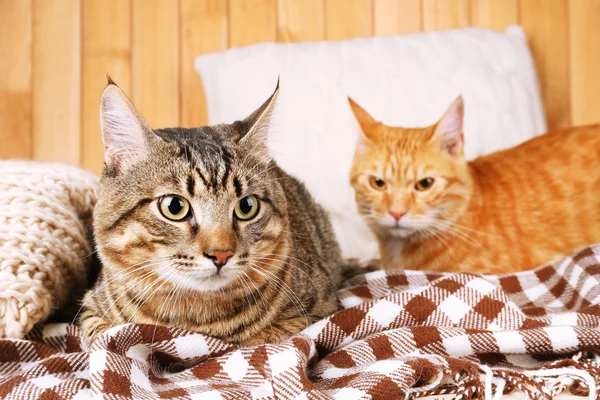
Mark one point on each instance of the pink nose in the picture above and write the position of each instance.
(397, 214)
(219, 257)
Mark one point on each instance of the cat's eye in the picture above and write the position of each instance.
(173, 207)
(377, 183)
(424, 184)
(246, 208)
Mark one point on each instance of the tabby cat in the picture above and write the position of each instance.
(200, 229)
(509, 211)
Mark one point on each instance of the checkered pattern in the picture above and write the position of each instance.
(400, 333)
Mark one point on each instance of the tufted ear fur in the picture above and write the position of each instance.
(449, 129)
(125, 134)
(366, 122)
(256, 128)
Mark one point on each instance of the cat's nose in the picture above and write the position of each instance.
(219, 257)
(397, 214)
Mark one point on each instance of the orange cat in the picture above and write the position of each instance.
(509, 211)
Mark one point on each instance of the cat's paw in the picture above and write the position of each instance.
(91, 327)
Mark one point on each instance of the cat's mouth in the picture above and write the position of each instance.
(210, 283)
(390, 224)
(205, 278)
(400, 231)
(403, 228)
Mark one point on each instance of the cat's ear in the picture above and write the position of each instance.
(449, 129)
(366, 122)
(255, 128)
(125, 134)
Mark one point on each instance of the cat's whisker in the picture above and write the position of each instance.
(272, 257)
(294, 300)
(143, 295)
(467, 229)
(436, 233)
(449, 230)
(280, 257)
(113, 302)
(457, 233)
(174, 288)
(109, 242)
(263, 301)
(270, 277)
(136, 298)
(130, 270)
(176, 300)
(258, 291)
(128, 284)
(459, 230)
(243, 277)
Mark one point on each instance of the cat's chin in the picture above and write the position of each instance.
(400, 232)
(205, 283)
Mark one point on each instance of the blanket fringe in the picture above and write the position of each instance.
(578, 375)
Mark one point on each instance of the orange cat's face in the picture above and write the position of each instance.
(410, 181)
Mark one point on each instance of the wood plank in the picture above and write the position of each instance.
(15, 79)
(397, 16)
(300, 21)
(106, 50)
(346, 19)
(155, 61)
(446, 14)
(56, 80)
(494, 14)
(545, 23)
(252, 21)
(203, 29)
(585, 61)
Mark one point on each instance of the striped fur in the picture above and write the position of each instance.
(286, 265)
(509, 211)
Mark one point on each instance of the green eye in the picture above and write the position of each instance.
(173, 207)
(246, 208)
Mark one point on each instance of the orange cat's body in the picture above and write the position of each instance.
(508, 211)
(531, 204)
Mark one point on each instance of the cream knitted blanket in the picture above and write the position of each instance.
(45, 226)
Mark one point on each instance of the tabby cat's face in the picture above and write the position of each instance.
(195, 208)
(410, 181)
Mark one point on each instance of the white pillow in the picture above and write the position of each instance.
(406, 80)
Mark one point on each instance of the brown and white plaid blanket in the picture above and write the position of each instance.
(401, 334)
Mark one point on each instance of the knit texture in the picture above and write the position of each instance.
(45, 230)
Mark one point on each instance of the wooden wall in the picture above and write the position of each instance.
(54, 55)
